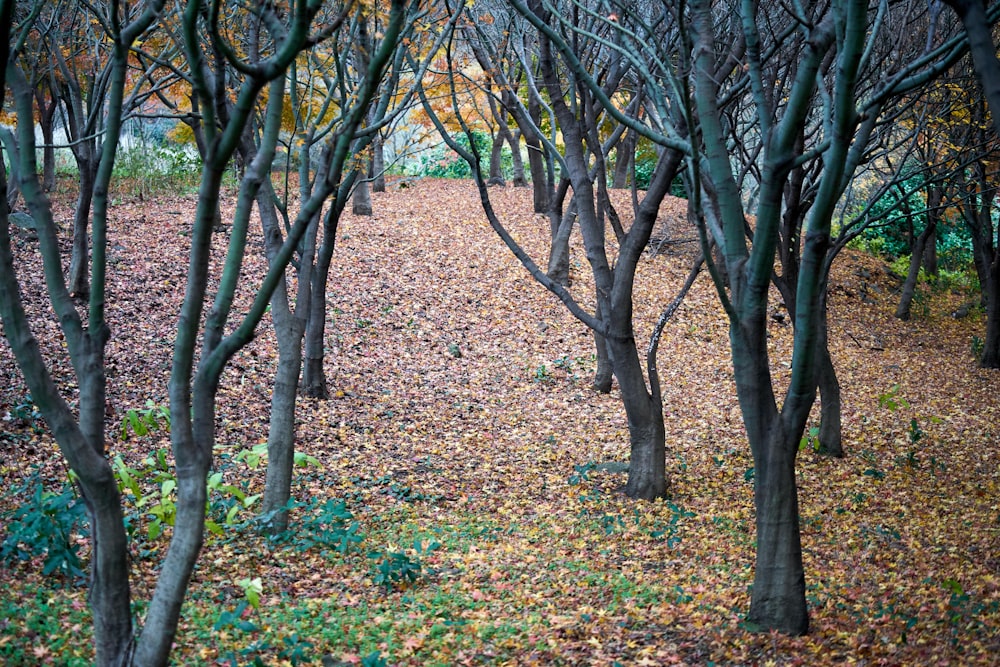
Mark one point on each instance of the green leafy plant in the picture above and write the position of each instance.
(27, 413)
(582, 473)
(257, 454)
(235, 619)
(891, 399)
(374, 659)
(400, 568)
(296, 650)
(810, 439)
(325, 526)
(145, 420)
(225, 503)
(252, 588)
(442, 162)
(150, 492)
(977, 348)
(44, 526)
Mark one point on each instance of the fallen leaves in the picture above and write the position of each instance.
(500, 454)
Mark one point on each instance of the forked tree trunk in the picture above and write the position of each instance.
(289, 329)
(313, 376)
(777, 601)
(46, 116)
(647, 478)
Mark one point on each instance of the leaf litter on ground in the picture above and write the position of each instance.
(461, 415)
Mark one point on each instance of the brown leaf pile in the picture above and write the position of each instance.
(462, 413)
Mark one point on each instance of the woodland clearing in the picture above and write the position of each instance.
(465, 441)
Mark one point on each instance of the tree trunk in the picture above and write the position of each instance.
(314, 382)
(981, 260)
(604, 372)
(79, 273)
(313, 377)
(541, 185)
(281, 429)
(624, 155)
(991, 346)
(45, 122)
(830, 427)
(930, 259)
(777, 600)
(289, 329)
(517, 160)
(916, 259)
(160, 626)
(984, 57)
(558, 268)
(496, 161)
(109, 585)
(362, 202)
(778, 597)
(647, 477)
(378, 163)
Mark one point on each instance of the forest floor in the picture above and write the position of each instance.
(485, 475)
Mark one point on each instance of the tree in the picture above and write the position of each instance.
(828, 91)
(357, 103)
(693, 92)
(576, 108)
(976, 23)
(192, 387)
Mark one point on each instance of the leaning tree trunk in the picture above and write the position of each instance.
(558, 268)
